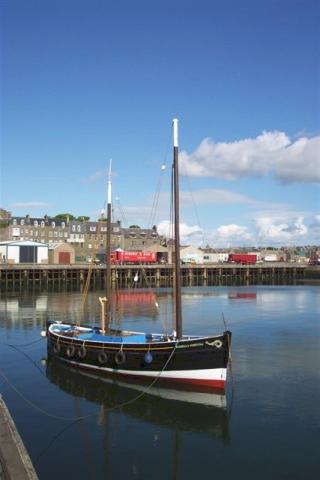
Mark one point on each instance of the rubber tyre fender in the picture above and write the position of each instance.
(103, 358)
(82, 352)
(120, 357)
(70, 351)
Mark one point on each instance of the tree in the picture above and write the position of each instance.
(65, 217)
(83, 218)
(134, 226)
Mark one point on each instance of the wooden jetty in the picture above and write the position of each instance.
(15, 463)
(124, 276)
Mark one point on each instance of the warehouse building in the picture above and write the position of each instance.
(23, 252)
(61, 253)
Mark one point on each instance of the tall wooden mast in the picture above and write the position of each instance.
(108, 251)
(176, 229)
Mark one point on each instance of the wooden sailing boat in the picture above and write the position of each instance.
(188, 359)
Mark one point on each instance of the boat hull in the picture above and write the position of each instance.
(200, 361)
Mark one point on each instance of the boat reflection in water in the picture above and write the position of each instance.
(179, 408)
(242, 296)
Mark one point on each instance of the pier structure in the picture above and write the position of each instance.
(126, 276)
(15, 463)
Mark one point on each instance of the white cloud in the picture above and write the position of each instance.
(225, 235)
(278, 230)
(297, 161)
(317, 220)
(189, 234)
(232, 234)
(214, 196)
(314, 228)
(30, 205)
(95, 176)
(267, 230)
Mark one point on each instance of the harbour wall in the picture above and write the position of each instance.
(126, 276)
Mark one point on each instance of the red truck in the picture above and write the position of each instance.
(314, 260)
(243, 258)
(131, 257)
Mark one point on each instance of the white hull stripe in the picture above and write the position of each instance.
(219, 374)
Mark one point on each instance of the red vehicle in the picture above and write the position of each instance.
(314, 260)
(243, 258)
(120, 257)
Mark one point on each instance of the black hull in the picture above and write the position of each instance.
(168, 360)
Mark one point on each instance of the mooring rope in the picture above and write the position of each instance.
(83, 417)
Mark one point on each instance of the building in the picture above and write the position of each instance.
(23, 252)
(35, 229)
(191, 255)
(61, 253)
(89, 239)
(92, 240)
(4, 224)
(137, 238)
(164, 254)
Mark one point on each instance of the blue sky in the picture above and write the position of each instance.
(84, 81)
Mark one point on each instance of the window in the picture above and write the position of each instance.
(42, 224)
(50, 234)
(35, 223)
(60, 234)
(79, 228)
(53, 224)
(73, 228)
(92, 229)
(55, 234)
(65, 235)
(14, 222)
(36, 233)
(116, 229)
(63, 225)
(22, 222)
(21, 231)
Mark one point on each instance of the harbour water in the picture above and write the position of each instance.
(76, 426)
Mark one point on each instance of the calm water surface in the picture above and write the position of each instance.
(267, 426)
